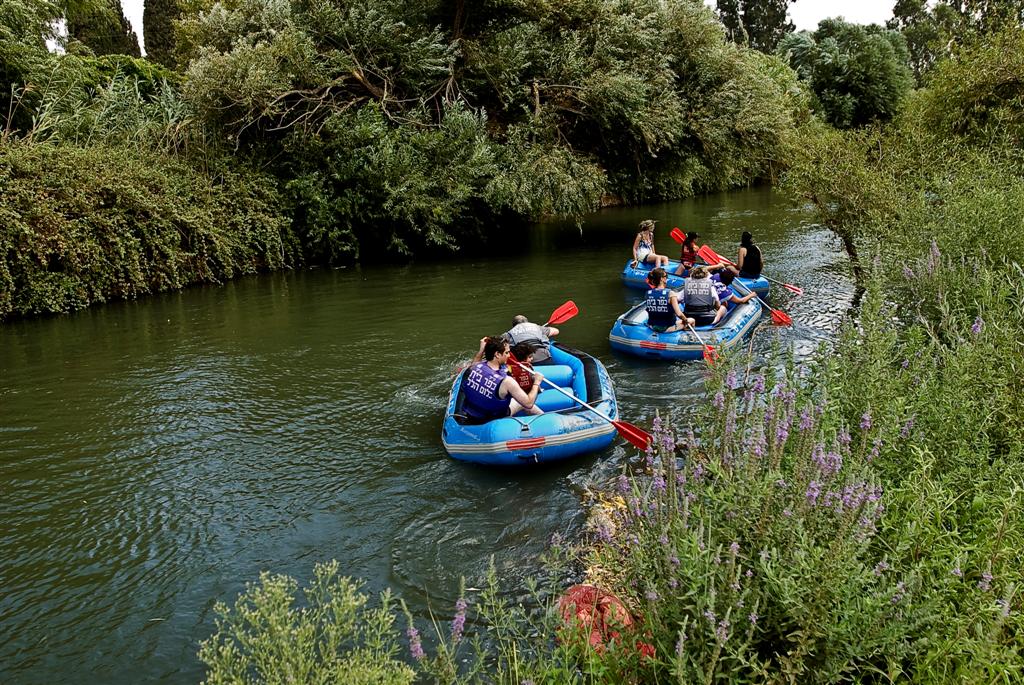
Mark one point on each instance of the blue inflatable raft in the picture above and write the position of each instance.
(636, 277)
(564, 430)
(631, 333)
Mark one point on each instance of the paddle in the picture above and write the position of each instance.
(779, 317)
(563, 313)
(635, 435)
(678, 235)
(710, 355)
(712, 257)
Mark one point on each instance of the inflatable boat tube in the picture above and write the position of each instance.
(636, 277)
(564, 430)
(632, 335)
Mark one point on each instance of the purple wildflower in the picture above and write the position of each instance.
(759, 383)
(907, 427)
(880, 568)
(813, 492)
(787, 512)
(734, 548)
(977, 325)
(908, 273)
(905, 364)
(659, 482)
(899, 594)
(752, 618)
(709, 615)
(459, 622)
(722, 631)
(781, 483)
(986, 581)
(730, 380)
(865, 421)
(1004, 607)
(749, 573)
(806, 420)
(604, 534)
(673, 583)
(680, 643)
(651, 596)
(844, 437)
(415, 647)
(718, 401)
(623, 484)
(876, 448)
(674, 560)
(957, 572)
(934, 257)
(781, 433)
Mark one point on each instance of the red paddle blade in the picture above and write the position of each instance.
(710, 256)
(635, 436)
(564, 313)
(710, 355)
(678, 235)
(793, 289)
(780, 318)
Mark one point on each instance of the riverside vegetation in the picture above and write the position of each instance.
(332, 130)
(854, 518)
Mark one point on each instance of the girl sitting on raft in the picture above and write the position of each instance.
(663, 312)
(749, 262)
(687, 253)
(643, 246)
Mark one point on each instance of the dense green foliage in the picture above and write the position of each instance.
(934, 29)
(858, 73)
(158, 17)
(105, 32)
(761, 24)
(86, 225)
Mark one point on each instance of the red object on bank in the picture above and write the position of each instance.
(599, 616)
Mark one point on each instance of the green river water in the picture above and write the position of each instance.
(157, 455)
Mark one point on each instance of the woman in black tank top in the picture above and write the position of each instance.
(749, 261)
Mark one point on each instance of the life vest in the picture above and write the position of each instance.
(520, 372)
(481, 384)
(699, 296)
(752, 263)
(688, 254)
(659, 308)
(601, 619)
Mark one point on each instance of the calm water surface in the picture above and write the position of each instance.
(157, 455)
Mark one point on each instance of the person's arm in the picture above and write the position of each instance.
(673, 299)
(636, 244)
(739, 259)
(479, 356)
(527, 399)
(550, 331)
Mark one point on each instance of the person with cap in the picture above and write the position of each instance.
(643, 246)
(538, 336)
(688, 253)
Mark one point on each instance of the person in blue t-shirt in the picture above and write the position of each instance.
(722, 281)
(491, 393)
(663, 312)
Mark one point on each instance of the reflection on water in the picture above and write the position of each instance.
(157, 455)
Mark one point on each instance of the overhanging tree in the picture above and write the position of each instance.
(761, 24)
(158, 18)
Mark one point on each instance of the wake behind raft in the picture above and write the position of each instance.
(564, 430)
(632, 335)
(636, 277)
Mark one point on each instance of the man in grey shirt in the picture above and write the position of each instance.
(539, 336)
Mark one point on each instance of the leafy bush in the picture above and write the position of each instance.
(85, 225)
(337, 637)
(859, 74)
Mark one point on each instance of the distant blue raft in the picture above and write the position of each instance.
(632, 335)
(636, 277)
(564, 430)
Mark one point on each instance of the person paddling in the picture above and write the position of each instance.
(491, 393)
(700, 298)
(687, 253)
(749, 263)
(523, 371)
(726, 296)
(663, 312)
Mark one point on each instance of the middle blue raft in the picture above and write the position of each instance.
(632, 335)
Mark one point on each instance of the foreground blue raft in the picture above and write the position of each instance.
(636, 277)
(631, 333)
(564, 430)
